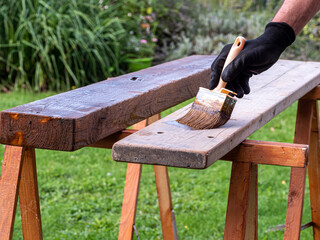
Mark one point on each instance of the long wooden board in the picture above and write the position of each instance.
(83, 116)
(169, 143)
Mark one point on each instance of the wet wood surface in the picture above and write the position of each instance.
(172, 144)
(83, 116)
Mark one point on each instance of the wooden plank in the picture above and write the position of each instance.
(252, 213)
(236, 217)
(83, 116)
(168, 225)
(314, 172)
(29, 198)
(298, 175)
(9, 184)
(171, 144)
(271, 153)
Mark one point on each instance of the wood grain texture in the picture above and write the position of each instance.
(298, 175)
(314, 172)
(29, 198)
(83, 116)
(271, 153)
(252, 212)
(9, 184)
(171, 144)
(236, 217)
(165, 203)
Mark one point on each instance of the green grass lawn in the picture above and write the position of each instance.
(81, 192)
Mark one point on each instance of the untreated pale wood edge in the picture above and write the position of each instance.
(250, 151)
(270, 153)
(313, 94)
(154, 156)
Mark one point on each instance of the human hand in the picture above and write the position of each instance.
(257, 56)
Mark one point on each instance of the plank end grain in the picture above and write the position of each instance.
(36, 131)
(154, 156)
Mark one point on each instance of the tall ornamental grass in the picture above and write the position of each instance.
(58, 45)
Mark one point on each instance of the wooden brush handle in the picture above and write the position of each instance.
(234, 51)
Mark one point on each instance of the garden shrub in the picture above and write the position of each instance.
(59, 44)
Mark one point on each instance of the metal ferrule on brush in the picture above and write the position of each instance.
(217, 101)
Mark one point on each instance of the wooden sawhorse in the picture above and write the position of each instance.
(94, 115)
(242, 211)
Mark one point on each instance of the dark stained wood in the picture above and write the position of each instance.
(171, 144)
(236, 217)
(9, 184)
(271, 153)
(314, 172)
(298, 175)
(29, 198)
(83, 116)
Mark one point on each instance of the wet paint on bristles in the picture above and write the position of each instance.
(209, 110)
(201, 117)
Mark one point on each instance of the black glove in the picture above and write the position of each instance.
(257, 56)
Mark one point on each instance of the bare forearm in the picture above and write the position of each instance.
(297, 13)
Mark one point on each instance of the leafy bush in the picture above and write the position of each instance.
(59, 44)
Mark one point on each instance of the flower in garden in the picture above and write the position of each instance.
(145, 25)
(154, 40)
(143, 41)
(149, 18)
(149, 10)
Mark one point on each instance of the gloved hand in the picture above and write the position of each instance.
(257, 56)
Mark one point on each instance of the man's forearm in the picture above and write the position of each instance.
(297, 13)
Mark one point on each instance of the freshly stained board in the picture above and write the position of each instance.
(81, 117)
(169, 143)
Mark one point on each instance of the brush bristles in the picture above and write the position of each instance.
(201, 117)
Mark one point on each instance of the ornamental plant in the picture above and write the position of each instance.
(143, 39)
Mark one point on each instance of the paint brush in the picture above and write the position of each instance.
(213, 108)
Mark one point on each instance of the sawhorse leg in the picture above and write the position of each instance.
(298, 175)
(241, 218)
(242, 212)
(131, 191)
(19, 177)
(314, 173)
